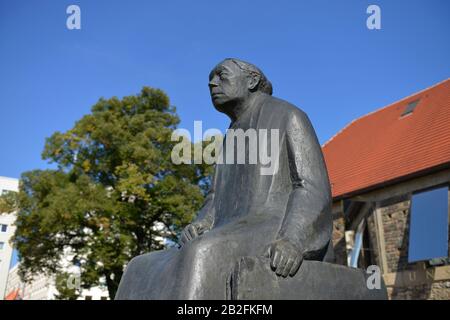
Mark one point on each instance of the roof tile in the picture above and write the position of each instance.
(384, 146)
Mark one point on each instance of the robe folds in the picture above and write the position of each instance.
(246, 211)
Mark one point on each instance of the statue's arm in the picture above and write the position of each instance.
(204, 220)
(205, 217)
(307, 220)
(307, 224)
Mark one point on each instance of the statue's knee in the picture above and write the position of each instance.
(200, 247)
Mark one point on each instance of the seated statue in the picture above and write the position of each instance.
(280, 220)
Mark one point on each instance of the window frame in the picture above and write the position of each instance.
(424, 190)
(410, 107)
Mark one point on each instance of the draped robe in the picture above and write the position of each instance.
(245, 212)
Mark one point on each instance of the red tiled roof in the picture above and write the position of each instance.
(383, 146)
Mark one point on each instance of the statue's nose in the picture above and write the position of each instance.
(212, 84)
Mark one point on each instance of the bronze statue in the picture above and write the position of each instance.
(278, 220)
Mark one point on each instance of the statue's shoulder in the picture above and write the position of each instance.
(284, 109)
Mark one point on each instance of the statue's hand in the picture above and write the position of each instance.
(190, 232)
(285, 257)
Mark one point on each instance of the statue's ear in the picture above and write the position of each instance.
(253, 82)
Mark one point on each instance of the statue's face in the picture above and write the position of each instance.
(228, 84)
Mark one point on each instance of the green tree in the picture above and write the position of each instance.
(66, 291)
(114, 195)
(8, 202)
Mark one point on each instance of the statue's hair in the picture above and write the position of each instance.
(264, 84)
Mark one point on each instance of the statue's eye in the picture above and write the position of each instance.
(221, 75)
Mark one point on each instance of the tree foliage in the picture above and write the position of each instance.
(8, 202)
(114, 195)
(66, 291)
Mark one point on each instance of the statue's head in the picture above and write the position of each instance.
(232, 81)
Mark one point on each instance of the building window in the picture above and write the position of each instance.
(2, 244)
(3, 227)
(410, 107)
(428, 233)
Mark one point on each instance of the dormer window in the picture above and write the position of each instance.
(410, 107)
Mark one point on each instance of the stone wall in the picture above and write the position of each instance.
(373, 240)
(340, 252)
(395, 218)
(429, 291)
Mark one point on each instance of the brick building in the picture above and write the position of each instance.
(390, 178)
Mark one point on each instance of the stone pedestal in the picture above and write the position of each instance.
(252, 279)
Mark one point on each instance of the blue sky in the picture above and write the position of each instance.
(319, 55)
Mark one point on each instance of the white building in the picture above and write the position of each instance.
(6, 231)
(41, 287)
(44, 288)
(38, 289)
